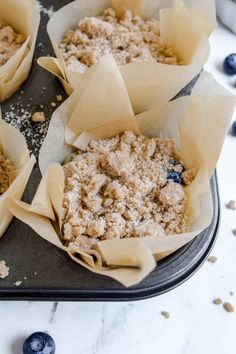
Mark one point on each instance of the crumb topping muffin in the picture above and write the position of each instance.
(130, 40)
(6, 167)
(126, 186)
(10, 42)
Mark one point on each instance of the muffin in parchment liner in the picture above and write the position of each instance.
(23, 17)
(198, 123)
(14, 151)
(184, 28)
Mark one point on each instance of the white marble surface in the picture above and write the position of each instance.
(196, 325)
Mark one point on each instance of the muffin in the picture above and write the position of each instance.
(125, 186)
(126, 190)
(129, 39)
(157, 49)
(15, 169)
(17, 42)
(10, 42)
(6, 167)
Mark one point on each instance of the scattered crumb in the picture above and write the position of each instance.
(41, 106)
(212, 259)
(4, 270)
(231, 205)
(17, 283)
(38, 117)
(53, 104)
(20, 116)
(166, 314)
(228, 307)
(59, 98)
(234, 232)
(25, 278)
(35, 273)
(217, 301)
(231, 293)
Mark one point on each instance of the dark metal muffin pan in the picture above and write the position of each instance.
(47, 273)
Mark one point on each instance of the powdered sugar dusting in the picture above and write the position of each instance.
(21, 118)
(45, 11)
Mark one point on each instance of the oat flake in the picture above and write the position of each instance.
(217, 301)
(228, 307)
(165, 314)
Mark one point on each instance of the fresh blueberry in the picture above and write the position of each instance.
(230, 64)
(39, 343)
(175, 176)
(233, 128)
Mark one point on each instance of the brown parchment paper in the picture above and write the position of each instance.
(23, 16)
(14, 147)
(185, 27)
(198, 123)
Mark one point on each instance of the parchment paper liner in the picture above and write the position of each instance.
(198, 123)
(24, 18)
(14, 147)
(184, 27)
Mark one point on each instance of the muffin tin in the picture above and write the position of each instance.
(28, 255)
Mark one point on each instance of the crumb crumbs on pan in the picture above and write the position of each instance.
(4, 270)
(228, 307)
(59, 98)
(17, 283)
(165, 314)
(212, 259)
(19, 116)
(217, 301)
(231, 205)
(38, 117)
(53, 104)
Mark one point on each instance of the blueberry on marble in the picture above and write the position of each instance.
(39, 343)
(233, 128)
(175, 176)
(230, 64)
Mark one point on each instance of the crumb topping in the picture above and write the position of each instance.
(121, 187)
(10, 42)
(130, 40)
(6, 167)
(4, 270)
